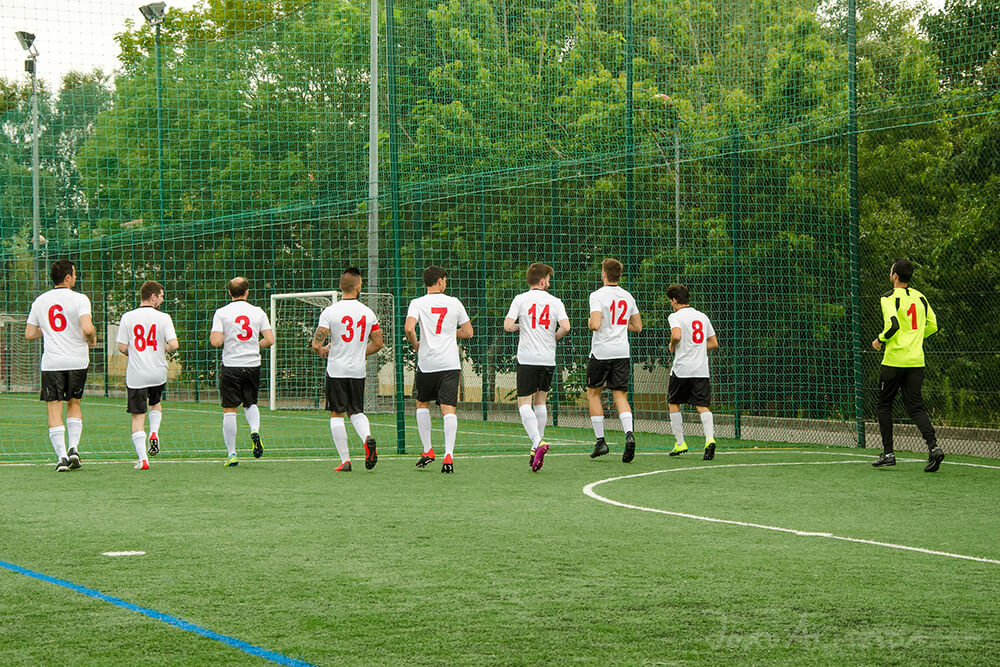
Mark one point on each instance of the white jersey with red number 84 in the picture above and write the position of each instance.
(146, 331)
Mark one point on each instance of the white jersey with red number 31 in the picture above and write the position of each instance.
(241, 325)
(616, 306)
(439, 317)
(351, 323)
(146, 331)
(57, 313)
(691, 354)
(538, 314)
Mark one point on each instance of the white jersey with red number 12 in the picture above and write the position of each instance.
(241, 325)
(57, 313)
(351, 323)
(439, 317)
(146, 331)
(691, 353)
(616, 306)
(538, 314)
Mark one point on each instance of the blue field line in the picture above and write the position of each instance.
(158, 616)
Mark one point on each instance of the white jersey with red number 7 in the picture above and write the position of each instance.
(439, 317)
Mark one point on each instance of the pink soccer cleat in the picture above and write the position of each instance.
(540, 451)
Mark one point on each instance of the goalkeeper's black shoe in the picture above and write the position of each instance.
(447, 466)
(934, 460)
(600, 448)
(258, 449)
(371, 455)
(425, 458)
(629, 452)
(74, 459)
(884, 459)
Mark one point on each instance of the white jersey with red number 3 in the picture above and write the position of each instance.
(146, 331)
(57, 313)
(538, 314)
(439, 316)
(241, 325)
(691, 354)
(350, 323)
(616, 306)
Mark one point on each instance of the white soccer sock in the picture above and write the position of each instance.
(677, 424)
(708, 422)
(450, 431)
(424, 428)
(541, 418)
(598, 424)
(626, 419)
(530, 424)
(339, 432)
(361, 425)
(74, 427)
(155, 416)
(139, 442)
(253, 418)
(57, 435)
(229, 431)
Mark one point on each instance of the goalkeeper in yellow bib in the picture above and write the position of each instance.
(908, 319)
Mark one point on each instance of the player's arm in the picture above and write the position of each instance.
(594, 321)
(266, 338)
(930, 324)
(464, 331)
(172, 345)
(712, 343)
(89, 332)
(32, 332)
(635, 323)
(123, 348)
(890, 323)
(675, 338)
(375, 343)
(410, 330)
(510, 325)
(215, 339)
(563, 328)
(318, 339)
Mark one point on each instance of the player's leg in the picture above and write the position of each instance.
(541, 412)
(447, 396)
(538, 399)
(912, 388)
(618, 377)
(229, 430)
(701, 396)
(677, 394)
(888, 388)
(425, 390)
(336, 405)
(136, 408)
(155, 418)
(231, 396)
(251, 390)
(526, 386)
(57, 431)
(76, 381)
(597, 372)
(359, 420)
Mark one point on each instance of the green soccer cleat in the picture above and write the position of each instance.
(232, 461)
(709, 451)
(678, 449)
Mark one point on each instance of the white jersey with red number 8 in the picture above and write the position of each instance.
(691, 353)
(241, 325)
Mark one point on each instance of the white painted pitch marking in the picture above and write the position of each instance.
(589, 491)
(124, 553)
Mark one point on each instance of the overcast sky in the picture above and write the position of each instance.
(76, 34)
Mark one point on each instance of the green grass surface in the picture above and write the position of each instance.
(497, 565)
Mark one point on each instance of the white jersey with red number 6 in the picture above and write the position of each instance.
(538, 314)
(616, 306)
(57, 313)
(439, 317)
(691, 354)
(241, 325)
(146, 331)
(351, 323)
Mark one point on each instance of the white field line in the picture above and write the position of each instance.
(589, 491)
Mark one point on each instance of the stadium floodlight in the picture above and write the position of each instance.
(153, 12)
(27, 40)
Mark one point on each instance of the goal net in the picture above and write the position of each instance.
(19, 358)
(298, 375)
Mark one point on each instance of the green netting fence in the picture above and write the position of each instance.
(773, 156)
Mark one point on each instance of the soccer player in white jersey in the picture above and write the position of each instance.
(540, 318)
(62, 318)
(354, 336)
(242, 330)
(691, 337)
(442, 321)
(145, 336)
(613, 314)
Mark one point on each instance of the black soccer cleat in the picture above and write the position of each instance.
(934, 460)
(371, 454)
(425, 459)
(74, 459)
(885, 459)
(629, 452)
(63, 465)
(447, 466)
(709, 451)
(258, 449)
(600, 448)
(154, 444)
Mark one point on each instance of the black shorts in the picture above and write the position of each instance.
(440, 386)
(612, 373)
(533, 378)
(139, 398)
(63, 385)
(345, 395)
(693, 391)
(239, 385)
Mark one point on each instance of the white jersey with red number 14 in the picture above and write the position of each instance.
(538, 314)
(350, 323)
(241, 325)
(439, 317)
(616, 306)
(146, 331)
(691, 353)
(57, 313)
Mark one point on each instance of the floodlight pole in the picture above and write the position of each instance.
(30, 64)
(159, 150)
(372, 276)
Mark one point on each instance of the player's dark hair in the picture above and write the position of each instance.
(903, 269)
(537, 272)
(238, 287)
(350, 279)
(679, 292)
(61, 270)
(149, 289)
(612, 269)
(434, 273)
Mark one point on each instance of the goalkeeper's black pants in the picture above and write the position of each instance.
(910, 381)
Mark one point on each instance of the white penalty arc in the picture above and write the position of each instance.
(123, 553)
(588, 490)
